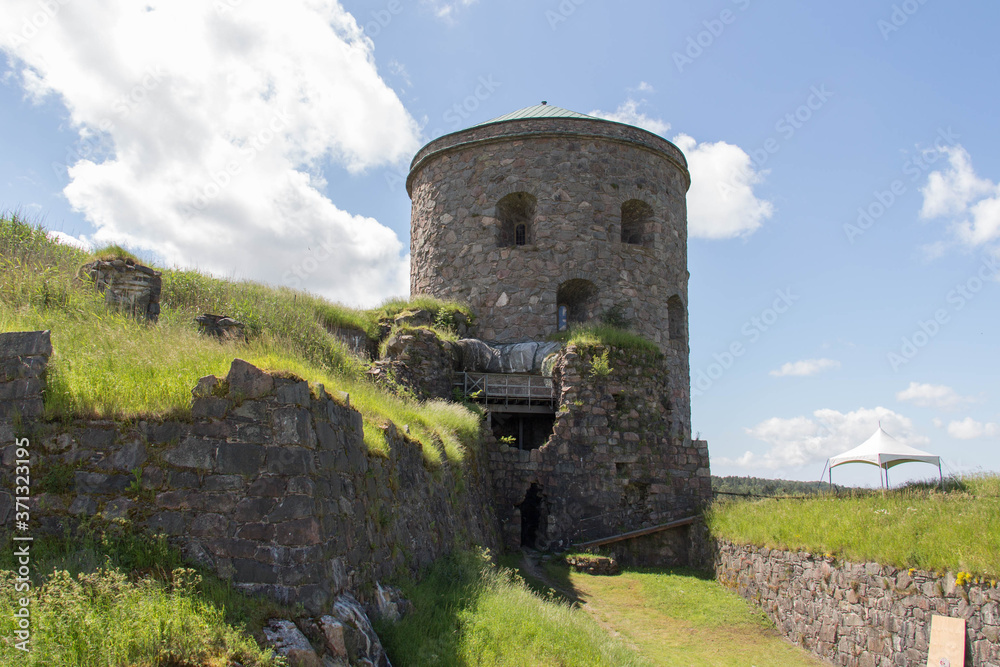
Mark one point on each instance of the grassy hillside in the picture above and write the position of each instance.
(108, 365)
(918, 526)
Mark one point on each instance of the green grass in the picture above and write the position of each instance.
(918, 526)
(606, 335)
(680, 617)
(108, 596)
(107, 365)
(466, 612)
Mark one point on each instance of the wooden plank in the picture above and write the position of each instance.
(636, 533)
(947, 647)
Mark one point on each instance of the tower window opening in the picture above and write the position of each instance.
(676, 325)
(515, 216)
(576, 303)
(637, 223)
(521, 234)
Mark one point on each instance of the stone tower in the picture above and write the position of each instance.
(543, 219)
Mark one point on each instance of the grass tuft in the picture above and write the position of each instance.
(603, 334)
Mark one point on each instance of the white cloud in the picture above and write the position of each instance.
(645, 87)
(969, 429)
(932, 396)
(217, 118)
(80, 242)
(803, 440)
(628, 112)
(971, 203)
(445, 9)
(721, 203)
(805, 367)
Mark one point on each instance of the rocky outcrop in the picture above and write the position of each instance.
(127, 286)
(597, 565)
(221, 326)
(860, 614)
(23, 360)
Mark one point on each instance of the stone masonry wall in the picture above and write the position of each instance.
(23, 359)
(860, 614)
(580, 172)
(270, 484)
(620, 457)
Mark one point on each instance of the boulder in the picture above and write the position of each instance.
(288, 641)
(360, 640)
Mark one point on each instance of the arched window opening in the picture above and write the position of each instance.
(637, 223)
(676, 317)
(576, 302)
(515, 215)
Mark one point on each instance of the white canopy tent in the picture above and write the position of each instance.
(884, 451)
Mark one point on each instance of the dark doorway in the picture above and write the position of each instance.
(522, 430)
(531, 516)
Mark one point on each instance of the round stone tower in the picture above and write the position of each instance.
(544, 218)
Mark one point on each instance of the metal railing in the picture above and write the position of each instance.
(506, 389)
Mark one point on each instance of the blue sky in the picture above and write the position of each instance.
(845, 160)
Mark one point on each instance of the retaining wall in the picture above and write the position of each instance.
(270, 484)
(860, 614)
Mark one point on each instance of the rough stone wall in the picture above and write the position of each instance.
(860, 614)
(127, 286)
(23, 359)
(270, 484)
(619, 459)
(581, 172)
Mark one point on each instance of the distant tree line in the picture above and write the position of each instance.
(759, 486)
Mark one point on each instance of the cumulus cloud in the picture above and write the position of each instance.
(80, 242)
(721, 203)
(932, 396)
(805, 367)
(969, 202)
(970, 429)
(805, 440)
(206, 126)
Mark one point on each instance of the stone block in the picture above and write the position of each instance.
(95, 482)
(293, 426)
(209, 407)
(118, 508)
(192, 453)
(251, 571)
(170, 523)
(239, 459)
(17, 368)
(209, 525)
(292, 507)
(129, 456)
(83, 505)
(25, 344)
(288, 641)
(298, 533)
(296, 392)
(222, 483)
(247, 381)
(20, 389)
(270, 487)
(253, 509)
(206, 386)
(289, 460)
(30, 408)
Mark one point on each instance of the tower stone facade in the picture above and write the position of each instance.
(545, 219)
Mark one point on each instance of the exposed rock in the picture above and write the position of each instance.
(360, 639)
(247, 381)
(221, 326)
(127, 286)
(419, 360)
(390, 603)
(598, 565)
(288, 641)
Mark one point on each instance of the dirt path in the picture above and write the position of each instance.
(673, 618)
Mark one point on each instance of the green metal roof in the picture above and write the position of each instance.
(538, 111)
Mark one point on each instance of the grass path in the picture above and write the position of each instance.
(674, 617)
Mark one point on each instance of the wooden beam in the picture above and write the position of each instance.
(636, 533)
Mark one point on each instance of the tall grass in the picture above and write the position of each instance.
(107, 365)
(604, 334)
(468, 613)
(108, 596)
(911, 527)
